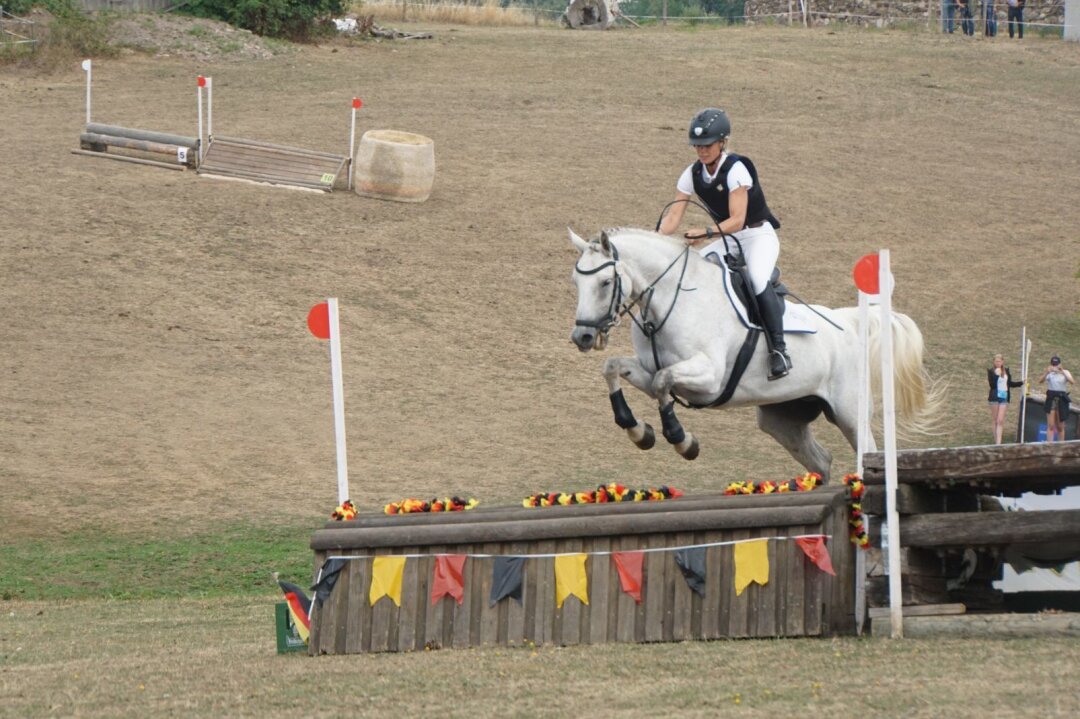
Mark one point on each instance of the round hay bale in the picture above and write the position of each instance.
(394, 165)
(588, 15)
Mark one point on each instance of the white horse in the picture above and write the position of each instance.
(688, 336)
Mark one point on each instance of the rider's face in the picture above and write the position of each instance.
(709, 154)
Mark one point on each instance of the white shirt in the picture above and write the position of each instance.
(738, 176)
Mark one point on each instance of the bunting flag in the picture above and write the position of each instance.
(814, 548)
(751, 564)
(299, 608)
(570, 578)
(629, 565)
(386, 575)
(691, 561)
(449, 570)
(507, 579)
(328, 576)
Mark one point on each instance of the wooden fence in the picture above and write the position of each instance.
(799, 599)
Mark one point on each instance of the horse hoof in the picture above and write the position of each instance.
(647, 440)
(691, 451)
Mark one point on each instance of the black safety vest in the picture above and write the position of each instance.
(715, 194)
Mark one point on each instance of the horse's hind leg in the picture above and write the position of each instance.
(789, 424)
(616, 368)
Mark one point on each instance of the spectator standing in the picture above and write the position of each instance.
(948, 15)
(989, 17)
(967, 24)
(1057, 380)
(1016, 13)
(1001, 383)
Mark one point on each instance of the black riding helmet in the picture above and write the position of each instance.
(709, 126)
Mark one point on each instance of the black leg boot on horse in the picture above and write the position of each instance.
(771, 310)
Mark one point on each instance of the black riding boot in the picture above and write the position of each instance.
(771, 307)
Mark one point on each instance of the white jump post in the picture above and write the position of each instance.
(86, 66)
(323, 322)
(357, 103)
(863, 444)
(888, 411)
(200, 83)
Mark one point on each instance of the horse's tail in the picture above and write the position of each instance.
(919, 398)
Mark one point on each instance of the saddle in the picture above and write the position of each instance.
(740, 283)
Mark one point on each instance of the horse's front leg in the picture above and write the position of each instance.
(696, 375)
(628, 368)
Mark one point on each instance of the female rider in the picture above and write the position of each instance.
(728, 185)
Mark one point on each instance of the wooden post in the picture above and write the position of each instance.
(663, 19)
(403, 9)
(888, 411)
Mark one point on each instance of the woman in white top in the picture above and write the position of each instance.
(728, 185)
(1057, 380)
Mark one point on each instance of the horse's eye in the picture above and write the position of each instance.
(605, 283)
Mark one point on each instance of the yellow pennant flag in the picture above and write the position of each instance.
(386, 579)
(751, 564)
(570, 578)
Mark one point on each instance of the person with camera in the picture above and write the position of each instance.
(1057, 380)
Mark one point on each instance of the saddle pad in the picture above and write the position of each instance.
(798, 318)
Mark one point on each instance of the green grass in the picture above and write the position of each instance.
(237, 561)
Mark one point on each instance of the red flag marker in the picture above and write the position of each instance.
(866, 274)
(318, 321)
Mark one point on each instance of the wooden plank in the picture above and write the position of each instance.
(984, 461)
(740, 604)
(572, 606)
(626, 608)
(488, 617)
(241, 142)
(764, 615)
(989, 528)
(927, 610)
(796, 599)
(356, 618)
(815, 592)
(545, 600)
(383, 613)
(434, 614)
(515, 611)
(580, 527)
(920, 499)
(682, 603)
(601, 607)
(714, 588)
(653, 599)
(260, 177)
(697, 602)
(412, 599)
(534, 627)
(462, 613)
(784, 554)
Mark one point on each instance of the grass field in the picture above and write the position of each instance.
(166, 431)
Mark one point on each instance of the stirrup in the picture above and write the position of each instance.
(776, 358)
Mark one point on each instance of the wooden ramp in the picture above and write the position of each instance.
(273, 164)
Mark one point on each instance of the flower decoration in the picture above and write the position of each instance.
(344, 511)
(803, 483)
(856, 521)
(447, 504)
(613, 492)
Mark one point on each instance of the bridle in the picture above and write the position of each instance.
(617, 308)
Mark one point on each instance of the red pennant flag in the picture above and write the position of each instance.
(449, 570)
(814, 548)
(629, 565)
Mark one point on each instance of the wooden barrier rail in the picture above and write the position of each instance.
(139, 146)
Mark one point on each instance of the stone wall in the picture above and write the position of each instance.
(882, 13)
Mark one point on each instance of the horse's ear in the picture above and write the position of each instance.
(605, 243)
(580, 244)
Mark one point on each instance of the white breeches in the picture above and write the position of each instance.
(761, 247)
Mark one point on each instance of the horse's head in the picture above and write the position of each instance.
(601, 289)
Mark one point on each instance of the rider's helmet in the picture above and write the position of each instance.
(709, 126)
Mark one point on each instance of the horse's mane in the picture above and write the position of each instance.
(637, 232)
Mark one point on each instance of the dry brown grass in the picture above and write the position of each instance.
(156, 369)
(184, 658)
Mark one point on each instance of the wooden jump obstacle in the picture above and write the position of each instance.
(274, 164)
(159, 149)
(954, 535)
(798, 600)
